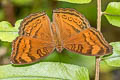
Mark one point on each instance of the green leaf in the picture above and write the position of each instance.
(17, 24)
(8, 32)
(22, 2)
(112, 13)
(77, 1)
(44, 70)
(114, 59)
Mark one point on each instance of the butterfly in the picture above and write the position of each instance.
(38, 37)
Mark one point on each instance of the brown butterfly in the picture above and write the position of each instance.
(69, 30)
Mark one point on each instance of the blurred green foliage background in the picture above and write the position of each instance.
(13, 10)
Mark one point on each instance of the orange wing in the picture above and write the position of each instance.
(35, 40)
(88, 42)
(36, 26)
(76, 34)
(69, 22)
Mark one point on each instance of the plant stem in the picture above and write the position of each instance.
(98, 59)
(99, 13)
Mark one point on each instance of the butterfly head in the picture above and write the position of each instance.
(59, 49)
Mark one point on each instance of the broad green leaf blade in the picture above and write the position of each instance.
(8, 32)
(44, 70)
(114, 59)
(77, 1)
(112, 13)
(21, 2)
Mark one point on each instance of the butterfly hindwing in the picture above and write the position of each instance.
(88, 42)
(28, 50)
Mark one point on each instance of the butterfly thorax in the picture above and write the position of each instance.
(59, 47)
(58, 44)
(57, 39)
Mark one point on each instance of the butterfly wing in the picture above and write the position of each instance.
(35, 40)
(69, 22)
(28, 50)
(88, 42)
(76, 34)
(37, 26)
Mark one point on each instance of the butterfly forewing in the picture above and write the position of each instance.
(36, 25)
(35, 40)
(69, 22)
